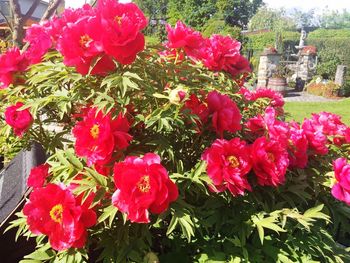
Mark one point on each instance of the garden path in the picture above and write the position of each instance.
(305, 97)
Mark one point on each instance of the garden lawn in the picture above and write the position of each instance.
(300, 110)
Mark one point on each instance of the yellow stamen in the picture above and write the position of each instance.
(84, 41)
(119, 20)
(56, 213)
(144, 184)
(95, 131)
(234, 162)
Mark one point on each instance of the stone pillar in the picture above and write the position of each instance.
(267, 62)
(340, 75)
(306, 67)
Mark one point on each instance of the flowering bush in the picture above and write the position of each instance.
(158, 153)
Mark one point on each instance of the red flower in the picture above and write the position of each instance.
(122, 25)
(19, 120)
(197, 107)
(223, 53)
(39, 39)
(38, 176)
(81, 46)
(268, 124)
(98, 136)
(142, 185)
(275, 97)
(225, 113)
(54, 211)
(317, 140)
(298, 146)
(184, 37)
(228, 163)
(270, 161)
(11, 61)
(341, 189)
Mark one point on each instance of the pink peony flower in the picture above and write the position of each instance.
(39, 39)
(122, 25)
(55, 212)
(11, 61)
(223, 53)
(19, 120)
(225, 113)
(228, 163)
(275, 97)
(269, 125)
(316, 138)
(142, 185)
(184, 37)
(270, 161)
(98, 136)
(81, 46)
(298, 146)
(341, 189)
(38, 176)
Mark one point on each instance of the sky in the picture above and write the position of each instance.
(301, 4)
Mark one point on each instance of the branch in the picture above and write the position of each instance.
(53, 5)
(15, 9)
(31, 10)
(7, 21)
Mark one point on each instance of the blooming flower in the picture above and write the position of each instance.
(39, 39)
(270, 162)
(228, 163)
(298, 146)
(275, 97)
(341, 189)
(55, 212)
(38, 176)
(11, 61)
(184, 37)
(269, 125)
(223, 53)
(122, 25)
(81, 46)
(98, 136)
(225, 113)
(19, 120)
(142, 185)
(316, 139)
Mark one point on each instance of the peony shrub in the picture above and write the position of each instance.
(159, 153)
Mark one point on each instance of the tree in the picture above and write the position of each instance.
(335, 19)
(238, 12)
(272, 19)
(305, 19)
(194, 13)
(19, 19)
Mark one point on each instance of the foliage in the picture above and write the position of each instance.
(335, 19)
(193, 12)
(218, 26)
(271, 19)
(262, 40)
(238, 12)
(328, 90)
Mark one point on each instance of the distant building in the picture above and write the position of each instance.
(25, 5)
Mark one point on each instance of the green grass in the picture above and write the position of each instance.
(300, 110)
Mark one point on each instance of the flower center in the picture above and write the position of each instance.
(271, 157)
(119, 20)
(95, 131)
(56, 213)
(233, 160)
(144, 184)
(84, 41)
